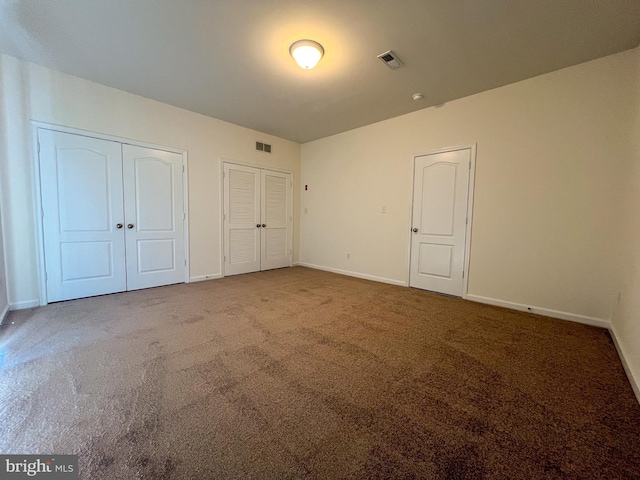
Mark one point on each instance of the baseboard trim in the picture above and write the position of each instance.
(348, 273)
(25, 304)
(634, 377)
(3, 314)
(572, 317)
(202, 278)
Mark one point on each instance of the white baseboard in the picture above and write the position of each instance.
(3, 313)
(202, 278)
(25, 304)
(573, 317)
(354, 274)
(634, 377)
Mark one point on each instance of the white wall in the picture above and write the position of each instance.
(551, 159)
(626, 321)
(31, 92)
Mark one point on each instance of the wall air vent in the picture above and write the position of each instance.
(390, 59)
(263, 147)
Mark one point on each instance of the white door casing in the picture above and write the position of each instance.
(82, 199)
(257, 218)
(154, 214)
(89, 196)
(439, 221)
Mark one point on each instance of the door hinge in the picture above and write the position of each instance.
(185, 262)
(462, 273)
(38, 147)
(46, 277)
(184, 215)
(41, 212)
(466, 222)
(469, 165)
(182, 168)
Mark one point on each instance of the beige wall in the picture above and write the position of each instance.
(31, 92)
(551, 154)
(626, 321)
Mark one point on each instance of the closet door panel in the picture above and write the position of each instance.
(154, 217)
(277, 221)
(82, 203)
(242, 221)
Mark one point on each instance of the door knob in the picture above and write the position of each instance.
(414, 230)
(119, 225)
(264, 225)
(258, 225)
(130, 226)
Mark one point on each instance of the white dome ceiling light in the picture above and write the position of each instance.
(306, 53)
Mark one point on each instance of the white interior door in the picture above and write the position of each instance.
(242, 219)
(439, 225)
(276, 220)
(154, 217)
(82, 203)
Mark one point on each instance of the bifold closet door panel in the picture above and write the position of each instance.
(276, 220)
(242, 219)
(83, 215)
(154, 217)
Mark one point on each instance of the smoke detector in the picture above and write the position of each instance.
(390, 59)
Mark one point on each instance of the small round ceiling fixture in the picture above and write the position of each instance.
(306, 53)
(417, 97)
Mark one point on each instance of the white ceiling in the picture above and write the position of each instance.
(229, 59)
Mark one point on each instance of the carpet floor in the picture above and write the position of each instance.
(298, 373)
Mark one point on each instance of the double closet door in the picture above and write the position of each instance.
(112, 216)
(258, 219)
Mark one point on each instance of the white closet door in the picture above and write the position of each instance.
(441, 191)
(276, 220)
(242, 219)
(81, 188)
(154, 217)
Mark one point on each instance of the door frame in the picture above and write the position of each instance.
(37, 191)
(467, 241)
(224, 160)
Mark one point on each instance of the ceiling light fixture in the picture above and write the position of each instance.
(306, 53)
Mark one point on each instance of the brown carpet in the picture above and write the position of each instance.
(298, 373)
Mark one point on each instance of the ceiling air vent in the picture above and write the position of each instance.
(263, 147)
(390, 59)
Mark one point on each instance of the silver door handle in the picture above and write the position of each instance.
(264, 225)
(118, 225)
(130, 226)
(414, 230)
